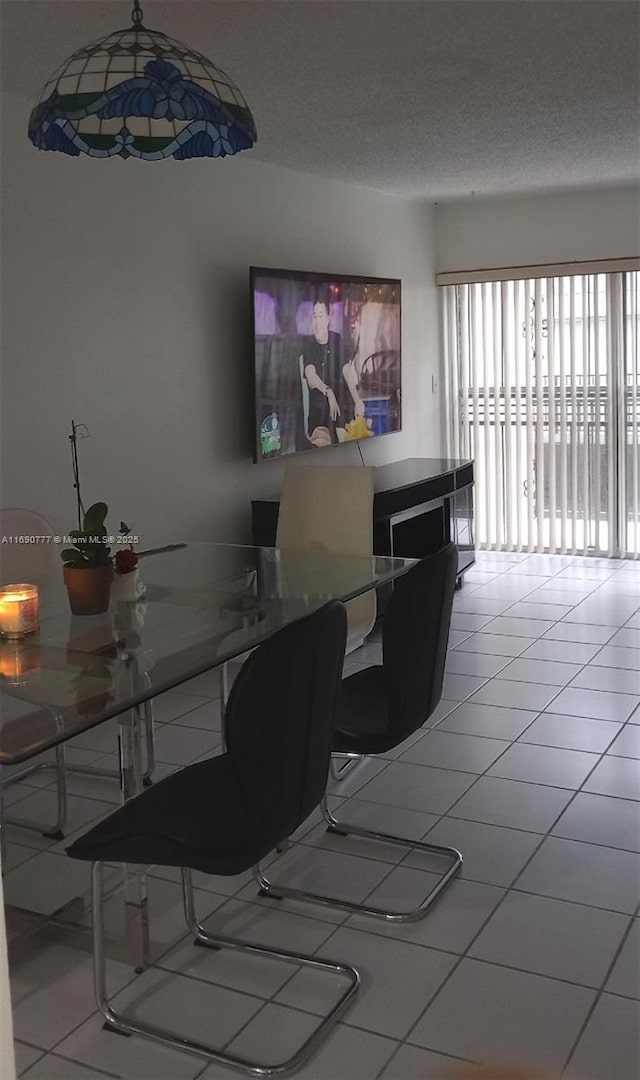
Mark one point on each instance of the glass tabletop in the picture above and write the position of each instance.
(204, 604)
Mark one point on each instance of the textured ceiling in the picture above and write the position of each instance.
(419, 98)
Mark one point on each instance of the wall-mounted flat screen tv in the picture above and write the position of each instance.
(327, 359)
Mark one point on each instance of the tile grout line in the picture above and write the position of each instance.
(600, 990)
(506, 892)
(512, 566)
(464, 955)
(512, 887)
(100, 1074)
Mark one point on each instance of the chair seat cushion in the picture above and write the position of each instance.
(362, 715)
(194, 818)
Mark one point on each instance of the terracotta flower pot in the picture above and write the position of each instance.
(88, 588)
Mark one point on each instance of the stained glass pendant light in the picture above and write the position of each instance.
(138, 93)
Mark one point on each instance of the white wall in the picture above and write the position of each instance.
(479, 233)
(7, 1059)
(126, 306)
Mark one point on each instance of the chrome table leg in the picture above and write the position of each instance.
(135, 880)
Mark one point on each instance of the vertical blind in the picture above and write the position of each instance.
(543, 390)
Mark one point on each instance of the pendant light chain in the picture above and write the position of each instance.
(136, 14)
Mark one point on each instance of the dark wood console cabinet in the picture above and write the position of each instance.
(419, 505)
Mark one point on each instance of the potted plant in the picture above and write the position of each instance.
(88, 569)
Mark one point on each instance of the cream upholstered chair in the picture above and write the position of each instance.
(331, 509)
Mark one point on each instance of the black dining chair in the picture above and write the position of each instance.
(381, 706)
(223, 815)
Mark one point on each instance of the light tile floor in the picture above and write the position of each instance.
(530, 765)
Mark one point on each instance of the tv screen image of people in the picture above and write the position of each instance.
(327, 359)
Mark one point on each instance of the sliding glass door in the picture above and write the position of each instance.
(630, 415)
(544, 393)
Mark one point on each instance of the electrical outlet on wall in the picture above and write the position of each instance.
(435, 384)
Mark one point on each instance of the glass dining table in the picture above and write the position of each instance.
(205, 604)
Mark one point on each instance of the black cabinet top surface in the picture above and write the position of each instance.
(410, 471)
(405, 473)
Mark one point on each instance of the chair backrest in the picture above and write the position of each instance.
(279, 722)
(330, 508)
(23, 562)
(415, 635)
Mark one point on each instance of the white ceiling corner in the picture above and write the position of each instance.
(422, 98)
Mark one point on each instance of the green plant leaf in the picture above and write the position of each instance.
(100, 509)
(89, 552)
(73, 557)
(94, 519)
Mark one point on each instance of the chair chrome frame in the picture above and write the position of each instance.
(349, 763)
(128, 1025)
(269, 888)
(62, 769)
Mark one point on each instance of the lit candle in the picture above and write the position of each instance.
(17, 659)
(18, 610)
